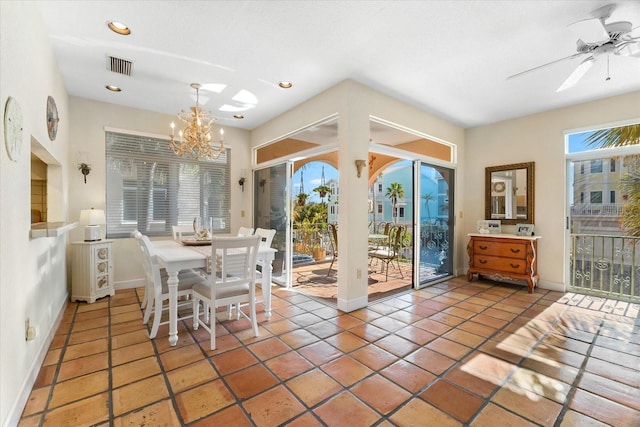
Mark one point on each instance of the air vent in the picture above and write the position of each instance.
(119, 65)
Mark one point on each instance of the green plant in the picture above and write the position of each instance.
(301, 199)
(323, 190)
(395, 192)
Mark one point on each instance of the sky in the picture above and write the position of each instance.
(312, 173)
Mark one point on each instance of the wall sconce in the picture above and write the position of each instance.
(242, 179)
(85, 168)
(359, 165)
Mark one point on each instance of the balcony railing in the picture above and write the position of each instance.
(607, 266)
(597, 209)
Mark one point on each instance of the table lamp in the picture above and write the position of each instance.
(92, 219)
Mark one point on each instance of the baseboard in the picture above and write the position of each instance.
(551, 286)
(16, 412)
(128, 284)
(352, 305)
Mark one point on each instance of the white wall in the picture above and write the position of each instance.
(539, 138)
(33, 281)
(89, 119)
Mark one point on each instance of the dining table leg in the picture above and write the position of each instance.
(172, 283)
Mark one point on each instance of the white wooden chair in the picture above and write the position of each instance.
(266, 236)
(245, 231)
(156, 288)
(180, 231)
(232, 281)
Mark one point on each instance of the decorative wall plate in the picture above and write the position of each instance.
(13, 135)
(52, 118)
(498, 187)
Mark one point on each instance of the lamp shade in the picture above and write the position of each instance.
(92, 217)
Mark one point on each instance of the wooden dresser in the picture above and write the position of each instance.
(504, 257)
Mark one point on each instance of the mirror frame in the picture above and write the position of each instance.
(530, 167)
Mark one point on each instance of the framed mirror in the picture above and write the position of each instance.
(509, 191)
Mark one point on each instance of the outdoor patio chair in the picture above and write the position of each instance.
(333, 241)
(392, 252)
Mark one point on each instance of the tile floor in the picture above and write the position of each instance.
(457, 353)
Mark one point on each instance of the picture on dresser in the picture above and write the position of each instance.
(524, 229)
(489, 226)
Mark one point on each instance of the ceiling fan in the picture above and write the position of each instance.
(597, 38)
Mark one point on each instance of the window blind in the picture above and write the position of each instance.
(150, 189)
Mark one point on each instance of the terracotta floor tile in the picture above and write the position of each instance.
(204, 400)
(540, 384)
(477, 328)
(181, 356)
(324, 329)
(611, 390)
(89, 411)
(30, 421)
(305, 420)
(503, 351)
(346, 321)
(37, 401)
(493, 415)
(231, 416)
(346, 410)
(313, 387)
(465, 338)
(79, 388)
(416, 335)
(88, 335)
(320, 353)
(432, 326)
(251, 381)
(417, 411)
(373, 356)
(405, 316)
(273, 407)
(449, 348)
(527, 404)
(576, 419)
(288, 365)
(138, 394)
(545, 367)
(480, 373)
(233, 360)
(191, 375)
(623, 359)
(82, 366)
(546, 352)
(346, 370)
(396, 345)
(101, 322)
(298, 338)
(269, 348)
(86, 349)
(123, 328)
(453, 400)
(45, 376)
(388, 323)
(614, 372)
(161, 413)
(305, 319)
(408, 375)
(130, 353)
(129, 338)
(369, 332)
(346, 341)
(430, 360)
(603, 409)
(380, 394)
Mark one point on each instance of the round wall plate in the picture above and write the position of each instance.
(13, 134)
(52, 118)
(498, 187)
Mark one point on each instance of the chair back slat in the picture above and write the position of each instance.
(235, 261)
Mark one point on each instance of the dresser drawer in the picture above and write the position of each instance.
(500, 249)
(507, 265)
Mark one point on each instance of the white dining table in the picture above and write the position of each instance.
(174, 257)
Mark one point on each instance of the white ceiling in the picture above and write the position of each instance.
(450, 58)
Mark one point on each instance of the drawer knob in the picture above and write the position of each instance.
(515, 251)
(514, 265)
(483, 247)
(482, 261)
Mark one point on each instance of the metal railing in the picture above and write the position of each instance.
(597, 209)
(607, 266)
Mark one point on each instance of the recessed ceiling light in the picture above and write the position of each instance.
(118, 27)
(285, 85)
(113, 88)
(238, 116)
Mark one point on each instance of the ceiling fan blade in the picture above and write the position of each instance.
(575, 55)
(631, 49)
(591, 30)
(577, 74)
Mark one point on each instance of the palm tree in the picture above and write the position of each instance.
(428, 198)
(630, 182)
(395, 192)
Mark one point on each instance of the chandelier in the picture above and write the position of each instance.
(195, 140)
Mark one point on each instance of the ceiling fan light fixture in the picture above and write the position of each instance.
(118, 28)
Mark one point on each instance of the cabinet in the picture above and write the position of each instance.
(504, 257)
(92, 270)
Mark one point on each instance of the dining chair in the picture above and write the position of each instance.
(266, 236)
(156, 287)
(232, 281)
(333, 243)
(245, 231)
(392, 252)
(180, 231)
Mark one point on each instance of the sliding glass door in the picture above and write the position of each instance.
(271, 204)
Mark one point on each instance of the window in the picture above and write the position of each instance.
(581, 168)
(150, 189)
(400, 212)
(581, 197)
(612, 166)
(596, 166)
(596, 197)
(612, 196)
(380, 208)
